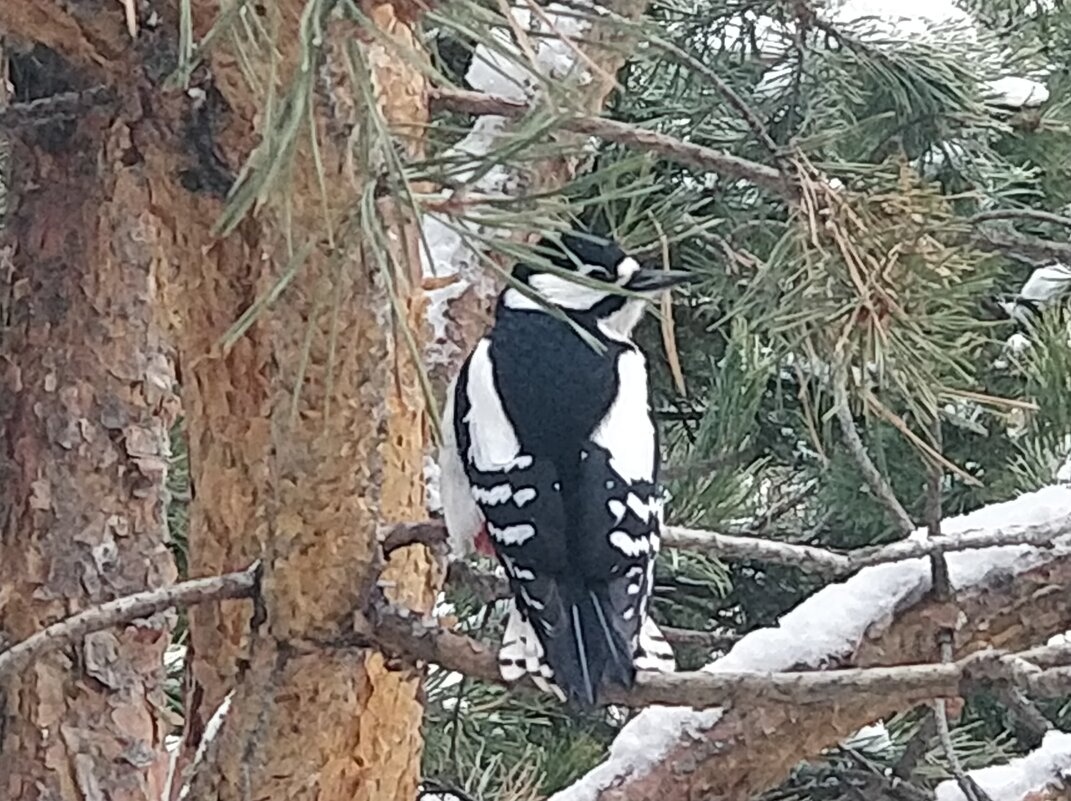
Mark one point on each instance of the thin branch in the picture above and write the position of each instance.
(941, 588)
(407, 635)
(1021, 214)
(805, 557)
(879, 486)
(698, 156)
(731, 97)
(1034, 248)
(123, 610)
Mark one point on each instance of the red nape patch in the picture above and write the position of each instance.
(483, 542)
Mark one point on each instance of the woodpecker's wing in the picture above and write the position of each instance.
(620, 499)
(518, 494)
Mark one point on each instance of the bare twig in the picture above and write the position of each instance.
(805, 557)
(941, 588)
(1021, 214)
(879, 486)
(1034, 248)
(704, 158)
(123, 610)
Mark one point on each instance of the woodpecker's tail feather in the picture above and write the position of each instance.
(585, 643)
(522, 653)
(653, 652)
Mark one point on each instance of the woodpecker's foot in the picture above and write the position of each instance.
(483, 542)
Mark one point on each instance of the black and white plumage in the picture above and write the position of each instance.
(549, 441)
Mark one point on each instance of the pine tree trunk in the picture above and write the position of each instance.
(305, 437)
(85, 406)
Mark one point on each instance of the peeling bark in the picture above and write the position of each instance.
(85, 407)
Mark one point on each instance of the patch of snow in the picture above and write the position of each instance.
(212, 729)
(829, 626)
(1015, 780)
(1047, 283)
(870, 738)
(1015, 92)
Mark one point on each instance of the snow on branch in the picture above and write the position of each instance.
(1009, 595)
(1047, 767)
(405, 634)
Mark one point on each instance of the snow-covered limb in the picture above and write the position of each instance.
(123, 610)
(1047, 767)
(407, 635)
(881, 616)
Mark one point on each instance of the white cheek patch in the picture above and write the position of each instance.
(565, 293)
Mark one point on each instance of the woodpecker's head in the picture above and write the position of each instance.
(586, 281)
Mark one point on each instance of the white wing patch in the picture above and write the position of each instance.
(493, 442)
(627, 431)
(500, 493)
(617, 509)
(643, 510)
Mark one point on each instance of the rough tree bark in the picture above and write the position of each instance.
(302, 479)
(86, 401)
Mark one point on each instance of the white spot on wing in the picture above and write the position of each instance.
(500, 493)
(627, 267)
(627, 431)
(524, 495)
(628, 545)
(512, 535)
(617, 509)
(639, 508)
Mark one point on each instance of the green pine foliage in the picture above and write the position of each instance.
(885, 287)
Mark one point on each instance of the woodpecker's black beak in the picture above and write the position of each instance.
(649, 280)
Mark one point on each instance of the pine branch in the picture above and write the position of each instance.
(808, 558)
(1032, 247)
(698, 156)
(878, 484)
(1037, 215)
(406, 635)
(123, 610)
